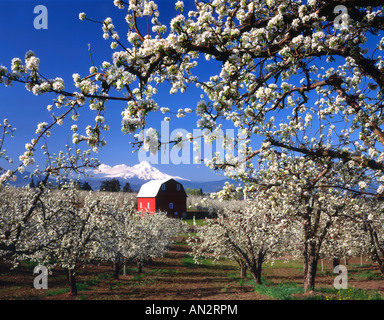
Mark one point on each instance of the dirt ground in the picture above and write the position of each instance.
(173, 277)
(163, 279)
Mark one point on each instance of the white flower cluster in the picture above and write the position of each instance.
(151, 141)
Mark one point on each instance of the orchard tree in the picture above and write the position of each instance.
(114, 221)
(6, 130)
(310, 193)
(55, 230)
(358, 231)
(347, 237)
(72, 226)
(149, 235)
(126, 235)
(251, 235)
(16, 225)
(371, 222)
(19, 206)
(315, 196)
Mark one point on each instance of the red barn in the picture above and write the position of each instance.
(163, 195)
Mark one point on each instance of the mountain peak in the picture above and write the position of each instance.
(143, 171)
(143, 164)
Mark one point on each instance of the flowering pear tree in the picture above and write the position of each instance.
(28, 73)
(347, 237)
(59, 232)
(6, 130)
(358, 231)
(125, 235)
(371, 221)
(66, 227)
(20, 205)
(251, 236)
(311, 195)
(15, 222)
(113, 221)
(149, 236)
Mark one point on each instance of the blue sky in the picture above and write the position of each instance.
(63, 50)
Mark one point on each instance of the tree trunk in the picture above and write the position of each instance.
(139, 266)
(243, 271)
(243, 267)
(335, 262)
(256, 274)
(310, 267)
(381, 267)
(256, 266)
(71, 279)
(116, 270)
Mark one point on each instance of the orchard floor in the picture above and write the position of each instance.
(176, 277)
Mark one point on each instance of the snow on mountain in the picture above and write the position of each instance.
(136, 175)
(143, 171)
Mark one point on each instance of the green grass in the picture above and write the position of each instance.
(56, 292)
(349, 294)
(248, 281)
(188, 261)
(199, 222)
(163, 271)
(30, 264)
(104, 276)
(180, 243)
(87, 284)
(137, 277)
(283, 291)
(10, 289)
(140, 280)
(361, 266)
(276, 264)
(366, 275)
(287, 291)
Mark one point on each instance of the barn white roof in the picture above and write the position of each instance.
(151, 188)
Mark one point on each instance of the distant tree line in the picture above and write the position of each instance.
(77, 185)
(194, 192)
(112, 185)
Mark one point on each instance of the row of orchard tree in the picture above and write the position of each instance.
(295, 207)
(302, 82)
(68, 229)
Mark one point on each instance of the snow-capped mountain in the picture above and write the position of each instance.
(136, 176)
(142, 171)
